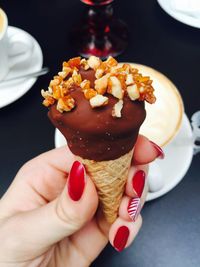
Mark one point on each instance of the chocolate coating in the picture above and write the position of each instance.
(88, 75)
(94, 133)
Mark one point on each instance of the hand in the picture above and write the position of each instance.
(41, 224)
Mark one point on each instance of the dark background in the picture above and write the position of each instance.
(171, 229)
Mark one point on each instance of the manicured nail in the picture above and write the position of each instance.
(138, 182)
(159, 150)
(134, 208)
(76, 181)
(121, 238)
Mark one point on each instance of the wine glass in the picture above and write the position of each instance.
(99, 32)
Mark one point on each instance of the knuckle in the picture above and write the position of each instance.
(68, 215)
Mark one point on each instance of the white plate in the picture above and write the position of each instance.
(12, 91)
(178, 157)
(180, 16)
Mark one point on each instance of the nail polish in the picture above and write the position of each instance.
(138, 182)
(159, 150)
(76, 181)
(134, 208)
(121, 238)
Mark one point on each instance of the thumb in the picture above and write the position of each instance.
(60, 218)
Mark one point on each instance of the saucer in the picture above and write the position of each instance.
(171, 172)
(178, 156)
(12, 91)
(180, 16)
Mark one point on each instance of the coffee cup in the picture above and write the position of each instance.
(14, 48)
(164, 117)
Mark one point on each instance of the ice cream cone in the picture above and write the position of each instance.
(109, 178)
(99, 108)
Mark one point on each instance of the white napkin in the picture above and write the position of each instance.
(188, 7)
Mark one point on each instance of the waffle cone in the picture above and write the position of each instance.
(109, 178)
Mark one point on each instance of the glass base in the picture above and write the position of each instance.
(97, 2)
(111, 42)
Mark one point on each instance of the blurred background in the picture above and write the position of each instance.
(171, 229)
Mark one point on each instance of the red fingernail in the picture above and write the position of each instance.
(138, 182)
(159, 150)
(121, 238)
(134, 208)
(76, 181)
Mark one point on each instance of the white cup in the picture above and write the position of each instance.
(14, 48)
(164, 118)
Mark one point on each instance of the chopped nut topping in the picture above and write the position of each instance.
(94, 62)
(89, 93)
(111, 62)
(141, 89)
(65, 103)
(63, 74)
(115, 87)
(66, 69)
(74, 62)
(65, 64)
(111, 78)
(101, 84)
(104, 67)
(98, 101)
(148, 95)
(114, 70)
(133, 92)
(129, 79)
(68, 83)
(48, 101)
(99, 73)
(57, 92)
(54, 82)
(76, 77)
(126, 68)
(85, 84)
(49, 90)
(116, 112)
(84, 64)
(46, 94)
(122, 78)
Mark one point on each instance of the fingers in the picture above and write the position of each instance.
(74, 207)
(60, 158)
(136, 180)
(127, 225)
(125, 228)
(122, 233)
(135, 193)
(39, 181)
(146, 151)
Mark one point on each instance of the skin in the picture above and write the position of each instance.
(41, 226)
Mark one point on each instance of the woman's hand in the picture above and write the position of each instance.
(43, 224)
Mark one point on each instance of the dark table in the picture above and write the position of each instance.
(171, 230)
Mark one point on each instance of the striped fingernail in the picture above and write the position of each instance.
(134, 208)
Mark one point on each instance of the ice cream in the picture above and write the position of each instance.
(99, 108)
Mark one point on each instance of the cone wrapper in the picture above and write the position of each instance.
(109, 178)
